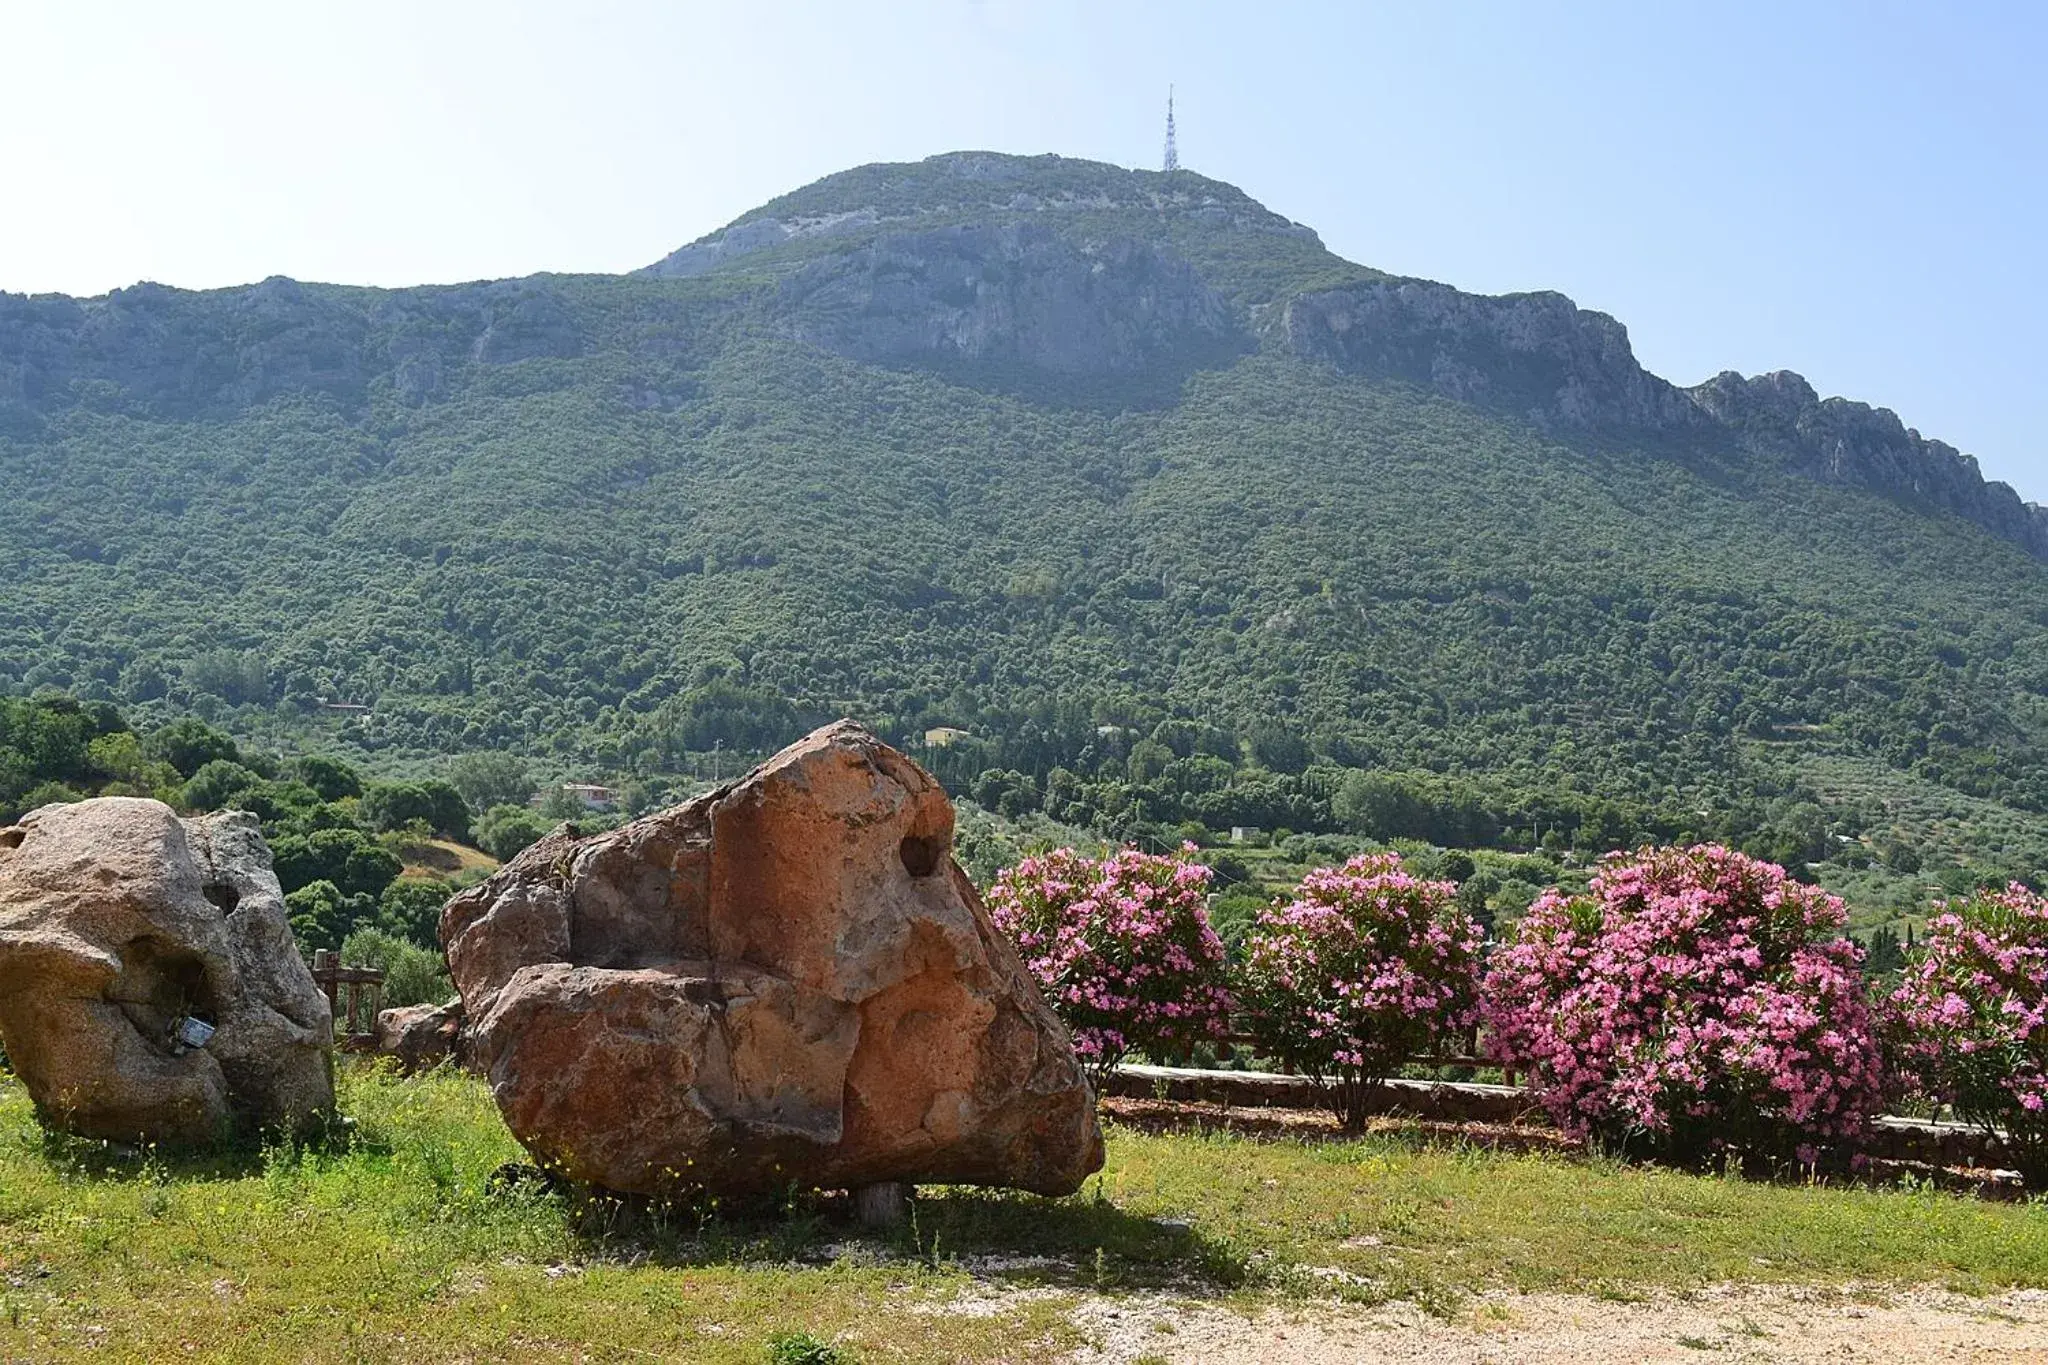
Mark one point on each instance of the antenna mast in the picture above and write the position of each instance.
(1172, 161)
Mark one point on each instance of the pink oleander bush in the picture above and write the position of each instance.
(1122, 948)
(1972, 1013)
(1697, 1001)
(1366, 966)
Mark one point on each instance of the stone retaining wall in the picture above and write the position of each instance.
(1943, 1144)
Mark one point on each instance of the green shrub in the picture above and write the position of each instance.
(218, 782)
(801, 1348)
(506, 830)
(412, 975)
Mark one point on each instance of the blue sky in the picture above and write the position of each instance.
(1856, 192)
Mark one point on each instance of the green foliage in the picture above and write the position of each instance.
(330, 778)
(410, 908)
(724, 714)
(490, 779)
(634, 528)
(801, 1348)
(47, 794)
(322, 916)
(52, 746)
(231, 675)
(505, 830)
(188, 745)
(433, 803)
(218, 782)
(345, 857)
(413, 975)
(1883, 955)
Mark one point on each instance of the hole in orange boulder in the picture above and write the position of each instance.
(11, 838)
(922, 854)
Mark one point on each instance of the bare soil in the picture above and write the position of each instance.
(1728, 1323)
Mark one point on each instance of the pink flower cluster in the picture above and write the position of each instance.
(1122, 948)
(1366, 966)
(1697, 1000)
(1973, 1010)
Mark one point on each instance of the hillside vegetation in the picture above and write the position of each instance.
(1179, 517)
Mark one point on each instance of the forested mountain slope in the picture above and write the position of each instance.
(1059, 454)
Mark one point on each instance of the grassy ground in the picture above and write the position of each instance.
(392, 1242)
(445, 859)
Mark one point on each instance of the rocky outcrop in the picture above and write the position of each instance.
(420, 1037)
(1539, 356)
(991, 187)
(786, 981)
(149, 986)
(164, 352)
(1016, 295)
(755, 234)
(1564, 368)
(1838, 441)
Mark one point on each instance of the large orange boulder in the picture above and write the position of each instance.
(149, 987)
(787, 981)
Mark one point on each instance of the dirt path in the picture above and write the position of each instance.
(1734, 1323)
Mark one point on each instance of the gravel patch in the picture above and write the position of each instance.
(1725, 1323)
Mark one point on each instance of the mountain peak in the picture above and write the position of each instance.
(953, 186)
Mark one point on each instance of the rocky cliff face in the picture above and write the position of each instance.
(1779, 415)
(1015, 295)
(1537, 355)
(176, 352)
(1049, 265)
(1562, 367)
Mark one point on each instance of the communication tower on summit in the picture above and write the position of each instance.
(1172, 160)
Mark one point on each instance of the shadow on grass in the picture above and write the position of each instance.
(89, 1158)
(1081, 1241)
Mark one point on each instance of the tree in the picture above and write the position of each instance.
(217, 783)
(1148, 761)
(346, 858)
(390, 806)
(369, 869)
(118, 757)
(1278, 748)
(490, 779)
(506, 830)
(1884, 955)
(333, 779)
(189, 745)
(321, 915)
(1375, 805)
(559, 805)
(447, 812)
(410, 908)
(1474, 898)
(46, 794)
(1898, 857)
